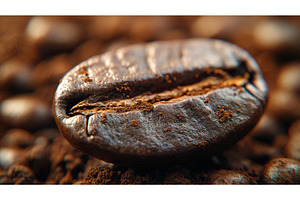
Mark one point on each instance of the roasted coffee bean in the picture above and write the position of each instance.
(285, 100)
(14, 75)
(108, 27)
(17, 138)
(145, 28)
(281, 171)
(292, 147)
(277, 35)
(230, 177)
(161, 103)
(176, 178)
(9, 156)
(20, 174)
(4, 179)
(25, 111)
(53, 34)
(288, 77)
(221, 27)
(39, 162)
(284, 105)
(266, 129)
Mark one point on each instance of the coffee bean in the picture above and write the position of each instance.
(276, 35)
(17, 138)
(39, 162)
(230, 177)
(20, 174)
(176, 178)
(284, 105)
(9, 156)
(108, 27)
(53, 33)
(25, 111)
(145, 28)
(288, 77)
(266, 129)
(292, 147)
(14, 75)
(221, 27)
(281, 171)
(4, 179)
(136, 83)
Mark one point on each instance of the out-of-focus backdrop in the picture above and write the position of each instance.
(36, 52)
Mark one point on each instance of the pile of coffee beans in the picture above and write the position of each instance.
(36, 52)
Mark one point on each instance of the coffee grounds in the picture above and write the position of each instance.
(134, 123)
(83, 70)
(224, 115)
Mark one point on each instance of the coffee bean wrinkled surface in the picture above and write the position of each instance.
(166, 101)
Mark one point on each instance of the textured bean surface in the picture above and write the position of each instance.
(230, 177)
(281, 171)
(160, 101)
(37, 51)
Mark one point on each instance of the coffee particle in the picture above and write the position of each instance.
(87, 79)
(165, 130)
(224, 115)
(206, 100)
(134, 123)
(83, 70)
(103, 117)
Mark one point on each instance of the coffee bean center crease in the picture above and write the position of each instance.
(125, 99)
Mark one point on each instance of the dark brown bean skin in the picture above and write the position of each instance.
(281, 171)
(178, 125)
